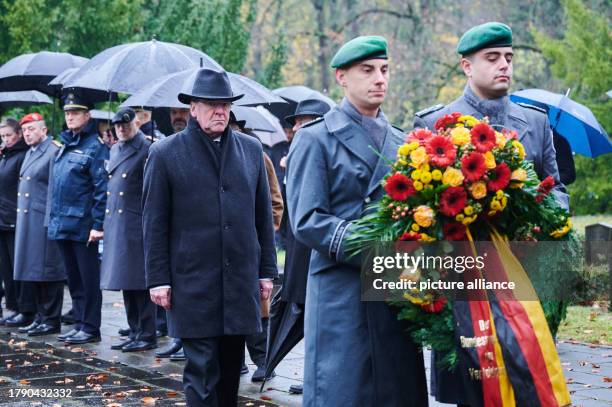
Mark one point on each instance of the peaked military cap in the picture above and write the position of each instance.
(74, 100)
(124, 115)
(487, 35)
(360, 49)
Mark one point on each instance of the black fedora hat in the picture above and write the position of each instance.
(308, 107)
(233, 120)
(209, 84)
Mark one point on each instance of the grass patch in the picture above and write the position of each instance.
(280, 258)
(580, 222)
(587, 324)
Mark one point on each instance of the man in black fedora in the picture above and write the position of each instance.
(208, 239)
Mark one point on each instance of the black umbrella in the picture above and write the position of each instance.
(23, 98)
(165, 90)
(56, 87)
(286, 331)
(294, 95)
(34, 71)
(128, 68)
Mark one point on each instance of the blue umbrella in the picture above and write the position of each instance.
(131, 67)
(571, 120)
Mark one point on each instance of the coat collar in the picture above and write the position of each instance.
(130, 148)
(387, 155)
(35, 154)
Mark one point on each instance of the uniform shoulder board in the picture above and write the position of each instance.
(429, 110)
(57, 143)
(528, 106)
(150, 138)
(315, 121)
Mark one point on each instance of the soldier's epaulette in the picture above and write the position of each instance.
(315, 121)
(150, 138)
(528, 106)
(429, 110)
(57, 143)
(397, 128)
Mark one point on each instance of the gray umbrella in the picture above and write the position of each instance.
(101, 114)
(164, 92)
(129, 68)
(34, 71)
(23, 98)
(294, 95)
(254, 119)
(56, 87)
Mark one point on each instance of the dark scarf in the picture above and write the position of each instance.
(495, 109)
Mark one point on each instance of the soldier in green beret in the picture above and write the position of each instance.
(487, 61)
(357, 353)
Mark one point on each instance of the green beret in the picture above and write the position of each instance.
(360, 49)
(487, 35)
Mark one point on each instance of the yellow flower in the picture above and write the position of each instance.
(519, 175)
(419, 157)
(418, 185)
(426, 177)
(468, 120)
(500, 139)
(436, 175)
(424, 216)
(429, 186)
(416, 175)
(468, 210)
(504, 202)
(489, 160)
(426, 238)
(460, 217)
(404, 150)
(460, 136)
(402, 162)
(564, 230)
(478, 189)
(413, 145)
(495, 205)
(415, 227)
(521, 150)
(424, 167)
(412, 299)
(467, 221)
(499, 194)
(452, 177)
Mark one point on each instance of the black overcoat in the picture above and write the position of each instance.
(123, 252)
(10, 163)
(208, 231)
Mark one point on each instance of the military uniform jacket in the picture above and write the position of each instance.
(78, 186)
(532, 127)
(208, 231)
(123, 255)
(10, 163)
(36, 257)
(357, 353)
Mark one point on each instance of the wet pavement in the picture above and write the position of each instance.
(43, 372)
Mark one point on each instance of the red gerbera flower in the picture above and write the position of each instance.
(510, 134)
(446, 121)
(499, 177)
(399, 187)
(435, 306)
(410, 236)
(441, 150)
(452, 201)
(420, 135)
(546, 185)
(473, 166)
(454, 231)
(483, 137)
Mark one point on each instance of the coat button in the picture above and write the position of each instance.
(121, 193)
(110, 176)
(124, 175)
(107, 193)
(222, 189)
(226, 226)
(227, 263)
(28, 178)
(18, 193)
(120, 211)
(25, 211)
(27, 195)
(108, 211)
(18, 209)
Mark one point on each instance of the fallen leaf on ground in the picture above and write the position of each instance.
(607, 379)
(24, 381)
(175, 375)
(148, 400)
(171, 394)
(117, 304)
(266, 398)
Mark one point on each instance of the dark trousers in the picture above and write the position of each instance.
(140, 311)
(256, 344)
(48, 299)
(161, 322)
(83, 271)
(212, 372)
(7, 254)
(26, 296)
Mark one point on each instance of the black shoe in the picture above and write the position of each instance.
(44, 329)
(259, 375)
(169, 350)
(244, 369)
(296, 389)
(178, 356)
(160, 334)
(20, 320)
(82, 337)
(25, 329)
(139, 346)
(120, 345)
(6, 318)
(67, 335)
(68, 318)
(124, 331)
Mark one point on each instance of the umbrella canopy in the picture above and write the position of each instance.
(571, 120)
(34, 71)
(56, 87)
(286, 331)
(294, 95)
(23, 98)
(129, 68)
(254, 119)
(266, 137)
(101, 114)
(165, 90)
